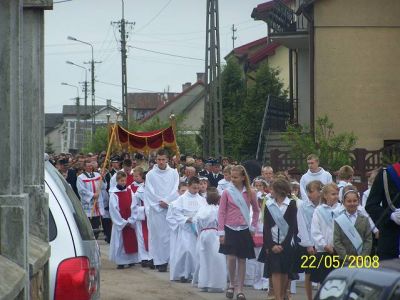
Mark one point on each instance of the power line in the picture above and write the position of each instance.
(155, 17)
(131, 88)
(167, 54)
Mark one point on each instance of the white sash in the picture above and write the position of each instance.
(308, 213)
(350, 231)
(277, 215)
(327, 215)
(240, 202)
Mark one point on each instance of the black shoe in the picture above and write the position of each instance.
(162, 268)
(183, 280)
(120, 267)
(151, 265)
(145, 263)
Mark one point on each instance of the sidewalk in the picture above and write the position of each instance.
(143, 283)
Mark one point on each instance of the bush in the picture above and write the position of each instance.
(333, 149)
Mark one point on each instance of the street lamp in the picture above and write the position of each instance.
(93, 89)
(78, 115)
(85, 87)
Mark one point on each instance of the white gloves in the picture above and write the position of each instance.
(395, 216)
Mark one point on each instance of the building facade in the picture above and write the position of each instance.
(343, 63)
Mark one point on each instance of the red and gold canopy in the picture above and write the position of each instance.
(145, 142)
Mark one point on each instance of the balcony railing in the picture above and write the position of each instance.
(281, 18)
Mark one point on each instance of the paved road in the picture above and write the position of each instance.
(145, 284)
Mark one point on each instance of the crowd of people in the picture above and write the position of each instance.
(209, 223)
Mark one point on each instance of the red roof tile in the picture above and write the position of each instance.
(263, 53)
(148, 100)
(245, 48)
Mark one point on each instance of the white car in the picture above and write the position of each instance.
(75, 255)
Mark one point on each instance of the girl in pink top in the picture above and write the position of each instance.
(235, 229)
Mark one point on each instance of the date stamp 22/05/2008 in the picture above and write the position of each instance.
(335, 262)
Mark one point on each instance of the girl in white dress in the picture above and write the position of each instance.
(211, 273)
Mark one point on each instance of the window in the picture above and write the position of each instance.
(364, 291)
(396, 294)
(81, 220)
(52, 227)
(333, 289)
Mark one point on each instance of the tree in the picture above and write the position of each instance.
(267, 82)
(233, 98)
(333, 149)
(49, 147)
(188, 143)
(98, 143)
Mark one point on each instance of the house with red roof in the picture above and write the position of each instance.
(141, 105)
(250, 56)
(189, 103)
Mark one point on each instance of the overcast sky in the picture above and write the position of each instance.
(171, 26)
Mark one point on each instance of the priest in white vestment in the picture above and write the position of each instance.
(161, 188)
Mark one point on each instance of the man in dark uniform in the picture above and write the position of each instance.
(107, 224)
(215, 175)
(115, 167)
(383, 205)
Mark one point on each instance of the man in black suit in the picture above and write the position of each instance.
(215, 175)
(116, 166)
(107, 224)
(383, 205)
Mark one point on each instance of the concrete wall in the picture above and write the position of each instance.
(24, 247)
(357, 83)
(280, 60)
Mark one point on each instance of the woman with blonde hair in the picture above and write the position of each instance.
(236, 229)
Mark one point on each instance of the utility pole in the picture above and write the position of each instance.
(85, 90)
(92, 63)
(122, 24)
(213, 143)
(234, 37)
(85, 87)
(78, 133)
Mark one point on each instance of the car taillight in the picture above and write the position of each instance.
(75, 279)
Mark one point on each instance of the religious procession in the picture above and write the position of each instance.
(200, 149)
(221, 225)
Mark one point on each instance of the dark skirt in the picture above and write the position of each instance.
(278, 263)
(238, 243)
(318, 275)
(301, 264)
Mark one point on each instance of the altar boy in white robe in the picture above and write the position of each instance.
(211, 270)
(124, 215)
(183, 232)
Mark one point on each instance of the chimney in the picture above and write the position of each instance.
(186, 85)
(201, 77)
(108, 102)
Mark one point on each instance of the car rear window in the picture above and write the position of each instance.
(364, 291)
(74, 204)
(52, 227)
